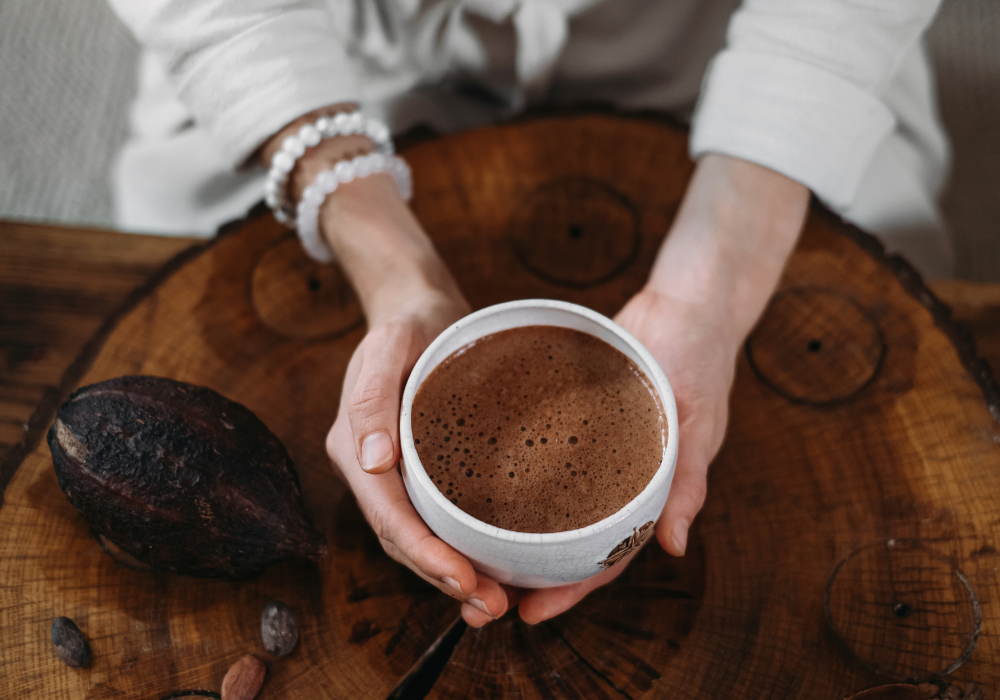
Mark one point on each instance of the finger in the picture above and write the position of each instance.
(545, 603)
(408, 540)
(484, 594)
(386, 506)
(420, 550)
(514, 595)
(687, 496)
(339, 439)
(432, 558)
(387, 356)
(488, 600)
(474, 616)
(404, 535)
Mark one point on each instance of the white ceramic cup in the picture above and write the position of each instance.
(537, 560)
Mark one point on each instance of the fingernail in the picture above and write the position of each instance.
(449, 581)
(480, 605)
(376, 450)
(680, 535)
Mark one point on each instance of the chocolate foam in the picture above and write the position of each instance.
(539, 429)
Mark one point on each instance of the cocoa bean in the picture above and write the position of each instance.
(278, 629)
(71, 646)
(244, 679)
(180, 478)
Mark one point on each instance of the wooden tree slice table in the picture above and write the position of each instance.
(849, 537)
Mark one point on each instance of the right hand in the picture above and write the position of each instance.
(364, 446)
(409, 297)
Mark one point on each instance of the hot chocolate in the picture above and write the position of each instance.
(539, 429)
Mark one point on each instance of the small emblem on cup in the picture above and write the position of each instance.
(633, 541)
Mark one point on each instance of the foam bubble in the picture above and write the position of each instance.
(602, 474)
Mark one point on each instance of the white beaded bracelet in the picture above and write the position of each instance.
(307, 212)
(294, 147)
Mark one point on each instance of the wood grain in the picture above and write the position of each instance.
(787, 590)
(57, 286)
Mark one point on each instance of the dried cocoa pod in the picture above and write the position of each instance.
(244, 679)
(180, 477)
(278, 629)
(71, 645)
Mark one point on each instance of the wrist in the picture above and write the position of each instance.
(381, 247)
(430, 307)
(415, 291)
(316, 158)
(383, 250)
(273, 144)
(737, 226)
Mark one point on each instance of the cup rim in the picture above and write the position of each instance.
(416, 469)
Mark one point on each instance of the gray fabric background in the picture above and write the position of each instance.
(965, 41)
(67, 78)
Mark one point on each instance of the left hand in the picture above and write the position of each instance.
(712, 279)
(697, 353)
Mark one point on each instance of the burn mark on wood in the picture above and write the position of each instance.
(575, 232)
(363, 630)
(902, 611)
(983, 551)
(815, 346)
(398, 635)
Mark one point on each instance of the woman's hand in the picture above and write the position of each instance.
(697, 352)
(409, 297)
(364, 446)
(712, 278)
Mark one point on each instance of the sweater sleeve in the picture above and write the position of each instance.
(797, 88)
(244, 68)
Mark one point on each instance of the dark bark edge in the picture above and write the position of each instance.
(914, 285)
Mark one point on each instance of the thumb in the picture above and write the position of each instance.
(387, 356)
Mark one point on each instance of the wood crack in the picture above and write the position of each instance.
(428, 668)
(585, 662)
